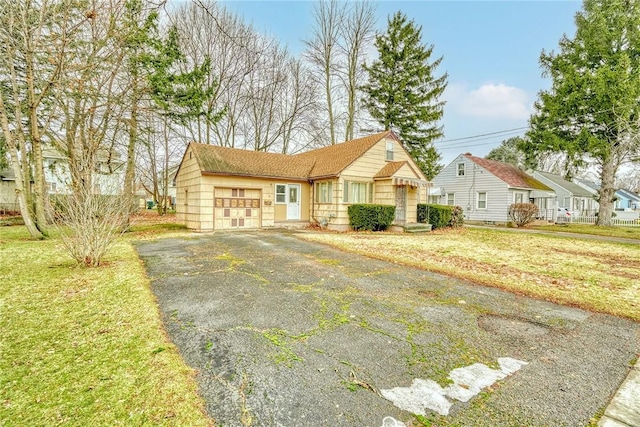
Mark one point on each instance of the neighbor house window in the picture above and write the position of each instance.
(389, 150)
(518, 198)
(451, 199)
(460, 171)
(281, 193)
(482, 201)
(357, 192)
(51, 186)
(324, 192)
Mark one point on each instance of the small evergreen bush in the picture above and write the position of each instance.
(440, 216)
(371, 217)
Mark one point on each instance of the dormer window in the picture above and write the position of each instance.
(460, 171)
(389, 156)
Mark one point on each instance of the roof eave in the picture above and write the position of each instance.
(247, 175)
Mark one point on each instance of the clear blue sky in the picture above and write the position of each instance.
(490, 49)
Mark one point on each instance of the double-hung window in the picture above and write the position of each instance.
(281, 193)
(324, 192)
(460, 169)
(357, 192)
(482, 200)
(451, 199)
(389, 156)
(518, 197)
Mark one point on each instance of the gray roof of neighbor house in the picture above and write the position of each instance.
(323, 162)
(592, 185)
(571, 187)
(510, 174)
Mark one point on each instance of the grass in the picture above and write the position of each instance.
(86, 346)
(624, 232)
(594, 275)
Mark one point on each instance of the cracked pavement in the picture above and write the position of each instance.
(286, 332)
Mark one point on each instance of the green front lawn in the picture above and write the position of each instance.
(85, 346)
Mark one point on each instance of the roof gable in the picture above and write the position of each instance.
(629, 195)
(333, 159)
(509, 174)
(571, 187)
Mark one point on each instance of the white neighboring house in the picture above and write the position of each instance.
(485, 189)
(571, 196)
(8, 196)
(108, 175)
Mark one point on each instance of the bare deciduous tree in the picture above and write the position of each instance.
(34, 38)
(356, 35)
(322, 53)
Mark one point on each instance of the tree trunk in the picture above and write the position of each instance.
(606, 193)
(21, 191)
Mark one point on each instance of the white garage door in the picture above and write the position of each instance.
(236, 208)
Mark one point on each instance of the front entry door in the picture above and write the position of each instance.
(293, 202)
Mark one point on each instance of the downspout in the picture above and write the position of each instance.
(313, 200)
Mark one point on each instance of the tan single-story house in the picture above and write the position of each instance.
(220, 188)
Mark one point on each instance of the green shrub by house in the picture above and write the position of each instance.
(371, 217)
(440, 216)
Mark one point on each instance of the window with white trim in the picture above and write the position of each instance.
(357, 192)
(451, 199)
(482, 200)
(389, 156)
(324, 192)
(281, 193)
(518, 197)
(460, 169)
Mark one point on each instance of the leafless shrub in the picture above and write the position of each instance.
(523, 213)
(89, 223)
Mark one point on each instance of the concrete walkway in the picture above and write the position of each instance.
(624, 408)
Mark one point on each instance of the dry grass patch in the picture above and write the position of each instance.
(597, 276)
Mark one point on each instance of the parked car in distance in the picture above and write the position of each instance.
(564, 212)
(564, 215)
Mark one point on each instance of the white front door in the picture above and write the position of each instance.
(293, 201)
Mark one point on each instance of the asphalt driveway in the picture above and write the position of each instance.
(284, 332)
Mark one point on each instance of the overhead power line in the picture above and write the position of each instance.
(465, 138)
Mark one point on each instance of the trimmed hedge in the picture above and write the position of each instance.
(371, 217)
(440, 216)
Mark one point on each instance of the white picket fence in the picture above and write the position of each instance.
(592, 220)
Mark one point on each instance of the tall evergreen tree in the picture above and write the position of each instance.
(403, 93)
(591, 111)
(508, 152)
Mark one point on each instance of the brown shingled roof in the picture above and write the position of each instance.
(323, 162)
(232, 161)
(331, 160)
(510, 174)
(389, 169)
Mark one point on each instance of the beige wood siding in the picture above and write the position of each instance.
(385, 192)
(374, 159)
(188, 192)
